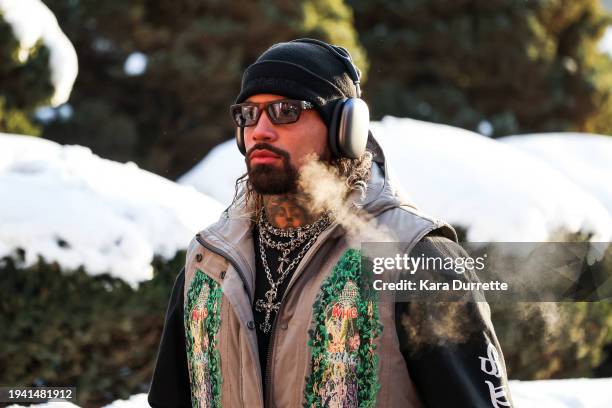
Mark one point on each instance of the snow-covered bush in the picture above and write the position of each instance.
(89, 250)
(491, 190)
(66, 205)
(39, 63)
(94, 332)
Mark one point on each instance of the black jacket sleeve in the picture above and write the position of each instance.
(450, 348)
(170, 383)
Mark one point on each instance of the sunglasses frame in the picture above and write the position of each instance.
(265, 106)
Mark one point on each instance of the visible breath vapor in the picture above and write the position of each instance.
(328, 192)
(431, 323)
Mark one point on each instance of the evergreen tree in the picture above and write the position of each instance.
(25, 82)
(168, 118)
(495, 66)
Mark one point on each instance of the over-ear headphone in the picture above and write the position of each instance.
(348, 128)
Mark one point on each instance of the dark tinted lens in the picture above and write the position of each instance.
(284, 111)
(245, 115)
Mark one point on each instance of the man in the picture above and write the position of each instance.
(269, 310)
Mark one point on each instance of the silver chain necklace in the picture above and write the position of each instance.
(306, 235)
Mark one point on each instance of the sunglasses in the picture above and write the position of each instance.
(280, 112)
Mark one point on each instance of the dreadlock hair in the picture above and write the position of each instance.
(354, 172)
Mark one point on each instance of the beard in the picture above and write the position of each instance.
(268, 179)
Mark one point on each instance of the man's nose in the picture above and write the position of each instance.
(263, 131)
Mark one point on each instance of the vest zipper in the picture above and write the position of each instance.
(268, 375)
(301, 266)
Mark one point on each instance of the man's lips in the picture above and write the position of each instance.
(263, 157)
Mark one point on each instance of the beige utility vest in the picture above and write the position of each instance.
(331, 345)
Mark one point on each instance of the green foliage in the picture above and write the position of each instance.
(560, 340)
(25, 82)
(549, 340)
(13, 120)
(72, 329)
(170, 116)
(522, 65)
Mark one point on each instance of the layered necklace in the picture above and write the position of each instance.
(276, 238)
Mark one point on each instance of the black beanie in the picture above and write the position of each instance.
(299, 70)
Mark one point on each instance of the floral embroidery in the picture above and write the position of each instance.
(202, 322)
(344, 362)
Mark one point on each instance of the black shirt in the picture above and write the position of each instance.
(262, 285)
(170, 382)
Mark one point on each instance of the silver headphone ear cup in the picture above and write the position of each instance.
(240, 140)
(353, 127)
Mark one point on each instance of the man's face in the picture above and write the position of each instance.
(276, 153)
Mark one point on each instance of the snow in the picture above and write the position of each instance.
(65, 111)
(207, 178)
(494, 190)
(605, 43)
(51, 404)
(70, 206)
(138, 400)
(135, 401)
(135, 64)
(32, 21)
(569, 393)
(485, 128)
(584, 158)
(47, 114)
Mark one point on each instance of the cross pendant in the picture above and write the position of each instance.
(283, 259)
(268, 307)
(266, 326)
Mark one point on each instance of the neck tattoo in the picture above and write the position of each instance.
(269, 237)
(287, 210)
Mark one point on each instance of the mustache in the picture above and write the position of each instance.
(265, 146)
